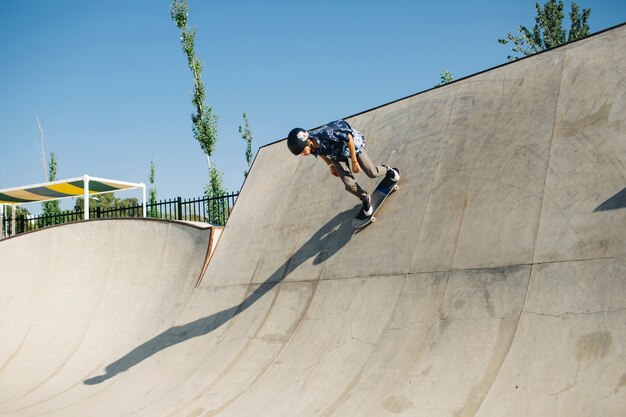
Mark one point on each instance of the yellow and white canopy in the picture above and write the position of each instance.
(73, 187)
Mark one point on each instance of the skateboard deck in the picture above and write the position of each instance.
(380, 194)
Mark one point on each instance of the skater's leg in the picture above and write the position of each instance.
(349, 182)
(375, 171)
(371, 170)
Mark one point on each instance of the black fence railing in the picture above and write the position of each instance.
(213, 210)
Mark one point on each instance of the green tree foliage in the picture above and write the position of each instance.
(446, 77)
(204, 121)
(152, 192)
(18, 213)
(108, 201)
(51, 210)
(246, 135)
(21, 211)
(214, 190)
(548, 31)
(579, 27)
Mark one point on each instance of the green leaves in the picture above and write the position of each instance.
(152, 192)
(179, 11)
(204, 121)
(51, 208)
(580, 23)
(548, 31)
(214, 190)
(446, 77)
(246, 135)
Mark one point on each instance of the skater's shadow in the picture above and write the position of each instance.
(618, 201)
(325, 243)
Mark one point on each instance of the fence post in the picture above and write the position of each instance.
(180, 208)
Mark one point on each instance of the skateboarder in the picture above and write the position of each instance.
(338, 144)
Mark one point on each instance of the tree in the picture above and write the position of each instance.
(446, 77)
(548, 31)
(152, 193)
(579, 27)
(104, 201)
(51, 210)
(20, 214)
(246, 135)
(204, 121)
(109, 201)
(213, 192)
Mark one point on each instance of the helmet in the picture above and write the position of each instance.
(297, 140)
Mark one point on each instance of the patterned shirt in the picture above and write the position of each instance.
(333, 140)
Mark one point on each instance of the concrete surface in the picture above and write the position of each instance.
(492, 284)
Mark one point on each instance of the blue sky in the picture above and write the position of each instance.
(111, 87)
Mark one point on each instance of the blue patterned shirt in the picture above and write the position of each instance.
(333, 140)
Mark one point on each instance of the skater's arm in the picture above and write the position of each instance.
(355, 164)
(330, 165)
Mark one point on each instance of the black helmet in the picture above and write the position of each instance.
(297, 140)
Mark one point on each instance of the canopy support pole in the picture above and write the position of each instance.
(86, 196)
(13, 220)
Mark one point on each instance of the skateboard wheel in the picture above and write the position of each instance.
(395, 187)
(373, 219)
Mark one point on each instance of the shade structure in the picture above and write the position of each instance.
(73, 187)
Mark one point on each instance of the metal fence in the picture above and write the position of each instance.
(213, 210)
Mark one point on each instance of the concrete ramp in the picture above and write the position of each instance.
(492, 284)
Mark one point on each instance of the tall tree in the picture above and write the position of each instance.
(548, 31)
(152, 192)
(246, 135)
(204, 121)
(52, 209)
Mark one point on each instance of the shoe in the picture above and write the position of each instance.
(367, 207)
(393, 173)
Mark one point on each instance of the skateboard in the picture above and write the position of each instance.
(384, 189)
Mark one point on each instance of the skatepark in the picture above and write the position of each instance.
(493, 283)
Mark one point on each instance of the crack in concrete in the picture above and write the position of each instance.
(573, 313)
